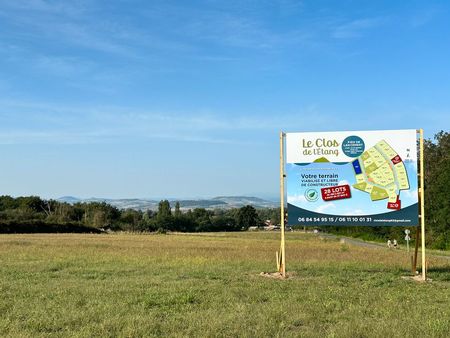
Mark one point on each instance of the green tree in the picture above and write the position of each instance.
(132, 220)
(247, 217)
(164, 219)
(224, 223)
(202, 219)
(7, 203)
(437, 181)
(99, 215)
(177, 210)
(272, 214)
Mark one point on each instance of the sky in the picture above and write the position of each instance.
(183, 99)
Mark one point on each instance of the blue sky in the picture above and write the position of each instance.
(186, 98)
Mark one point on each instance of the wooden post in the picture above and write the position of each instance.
(278, 260)
(422, 205)
(413, 271)
(282, 267)
(416, 250)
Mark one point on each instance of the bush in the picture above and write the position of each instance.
(36, 226)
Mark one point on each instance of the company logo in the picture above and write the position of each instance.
(353, 146)
(311, 195)
(320, 146)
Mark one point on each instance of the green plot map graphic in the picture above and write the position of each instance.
(380, 172)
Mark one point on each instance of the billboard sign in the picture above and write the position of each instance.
(364, 178)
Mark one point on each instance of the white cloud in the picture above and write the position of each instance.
(410, 194)
(297, 199)
(423, 17)
(68, 23)
(325, 207)
(356, 28)
(59, 123)
(355, 212)
(345, 182)
(42, 6)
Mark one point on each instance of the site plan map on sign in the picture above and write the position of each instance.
(380, 172)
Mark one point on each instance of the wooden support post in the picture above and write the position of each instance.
(282, 266)
(416, 250)
(413, 272)
(422, 205)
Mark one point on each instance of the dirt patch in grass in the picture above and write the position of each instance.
(277, 275)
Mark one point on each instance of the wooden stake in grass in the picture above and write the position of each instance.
(278, 260)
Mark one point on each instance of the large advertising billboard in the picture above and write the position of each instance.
(364, 178)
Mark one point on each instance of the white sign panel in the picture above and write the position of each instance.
(352, 178)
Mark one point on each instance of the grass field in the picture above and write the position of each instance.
(208, 285)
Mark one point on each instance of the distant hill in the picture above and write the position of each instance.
(240, 201)
(220, 202)
(192, 204)
(69, 199)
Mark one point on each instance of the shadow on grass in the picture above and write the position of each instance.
(440, 273)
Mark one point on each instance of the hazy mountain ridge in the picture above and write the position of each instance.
(220, 202)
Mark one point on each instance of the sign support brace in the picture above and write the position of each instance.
(281, 256)
(422, 207)
(421, 233)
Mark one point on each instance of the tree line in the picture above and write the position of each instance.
(33, 214)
